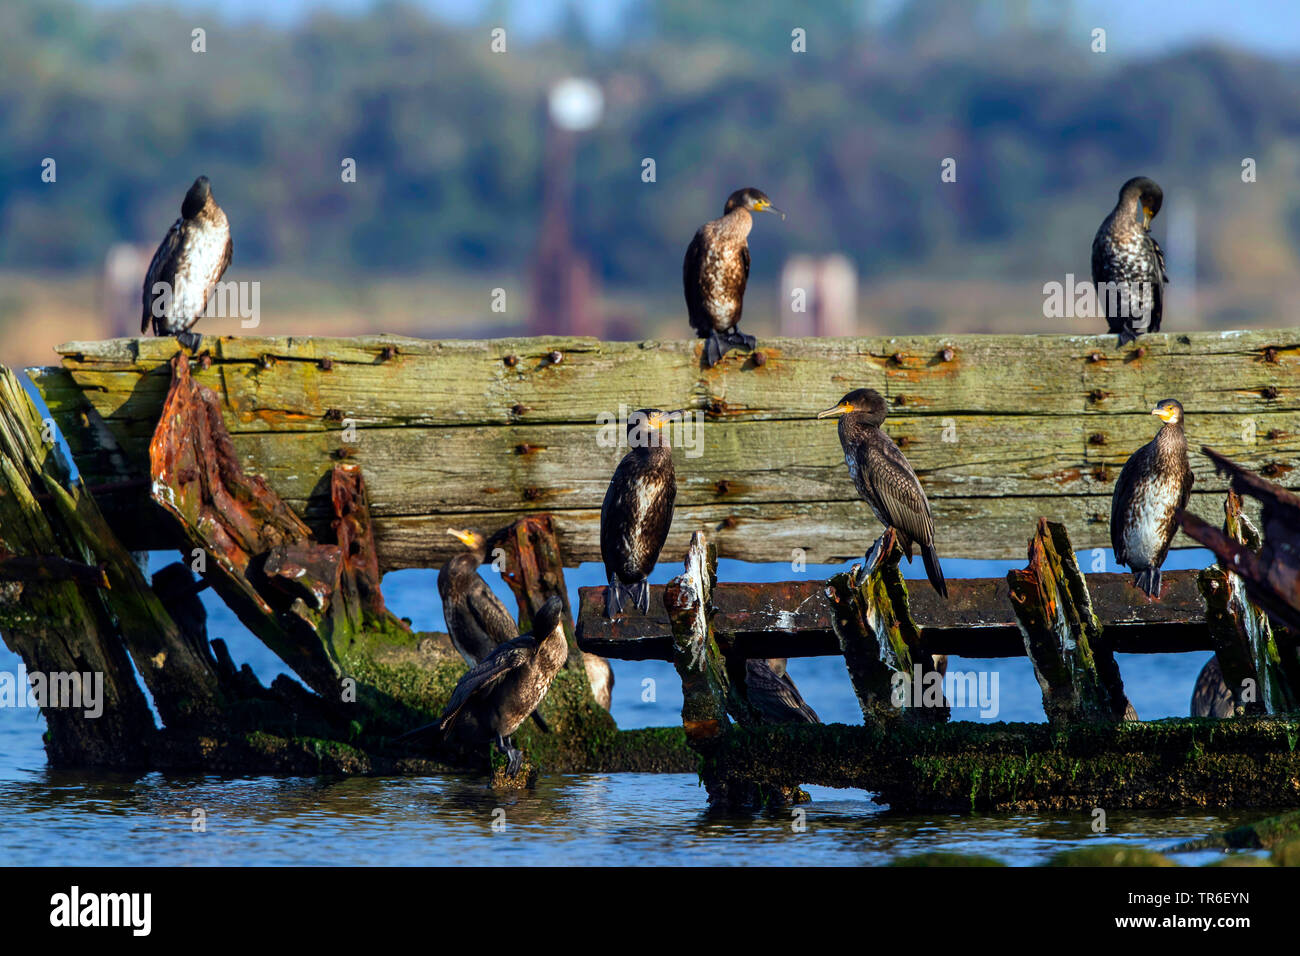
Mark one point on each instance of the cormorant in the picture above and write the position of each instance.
(715, 271)
(476, 619)
(190, 260)
(772, 694)
(1127, 260)
(1154, 483)
(1211, 696)
(500, 692)
(637, 510)
(885, 480)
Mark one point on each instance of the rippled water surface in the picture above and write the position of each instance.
(56, 817)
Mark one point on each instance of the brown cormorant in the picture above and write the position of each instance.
(637, 510)
(1128, 265)
(772, 694)
(476, 619)
(190, 261)
(715, 271)
(1154, 483)
(501, 691)
(1211, 696)
(885, 480)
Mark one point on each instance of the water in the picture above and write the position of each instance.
(103, 819)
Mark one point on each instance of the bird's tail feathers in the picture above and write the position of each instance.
(932, 569)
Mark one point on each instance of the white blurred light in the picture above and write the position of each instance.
(576, 104)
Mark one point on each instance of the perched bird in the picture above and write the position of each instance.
(1211, 696)
(715, 271)
(772, 694)
(1154, 483)
(885, 480)
(189, 262)
(637, 510)
(501, 691)
(476, 619)
(1128, 265)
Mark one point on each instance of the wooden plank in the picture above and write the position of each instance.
(450, 433)
(793, 619)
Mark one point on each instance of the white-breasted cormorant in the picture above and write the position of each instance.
(1210, 695)
(715, 271)
(772, 694)
(885, 480)
(1155, 482)
(1128, 265)
(501, 691)
(476, 619)
(190, 260)
(638, 510)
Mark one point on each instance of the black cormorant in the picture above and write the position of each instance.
(885, 480)
(190, 261)
(1154, 483)
(638, 510)
(1128, 266)
(476, 619)
(1211, 696)
(772, 694)
(501, 691)
(715, 271)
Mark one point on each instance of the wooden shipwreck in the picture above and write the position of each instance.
(290, 474)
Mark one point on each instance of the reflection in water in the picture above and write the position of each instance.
(57, 818)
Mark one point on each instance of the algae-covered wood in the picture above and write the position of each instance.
(1000, 429)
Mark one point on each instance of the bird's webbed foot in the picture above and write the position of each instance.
(714, 348)
(189, 340)
(743, 341)
(515, 757)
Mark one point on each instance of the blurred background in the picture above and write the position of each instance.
(526, 170)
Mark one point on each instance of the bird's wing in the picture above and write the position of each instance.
(489, 614)
(162, 268)
(626, 514)
(744, 281)
(890, 476)
(692, 265)
(485, 675)
(775, 697)
(1121, 498)
(1099, 255)
(1158, 286)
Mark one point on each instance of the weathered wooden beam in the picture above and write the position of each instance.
(454, 432)
(964, 766)
(23, 567)
(60, 626)
(794, 619)
(1062, 634)
(1272, 577)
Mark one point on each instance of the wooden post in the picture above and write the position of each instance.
(60, 625)
(882, 644)
(707, 694)
(1240, 631)
(1079, 679)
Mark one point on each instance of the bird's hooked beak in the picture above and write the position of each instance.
(467, 538)
(765, 205)
(1166, 414)
(1147, 215)
(843, 408)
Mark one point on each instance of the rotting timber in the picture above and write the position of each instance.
(303, 469)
